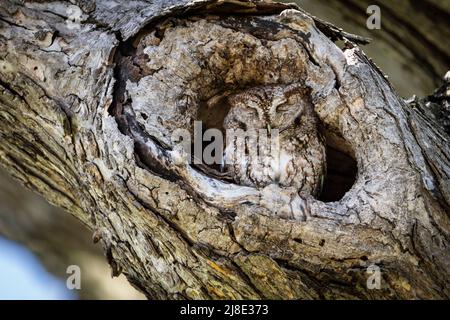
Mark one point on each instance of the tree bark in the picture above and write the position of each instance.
(408, 47)
(79, 127)
(58, 240)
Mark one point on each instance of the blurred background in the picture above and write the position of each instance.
(38, 241)
(37, 244)
(412, 46)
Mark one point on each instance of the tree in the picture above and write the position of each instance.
(91, 93)
(58, 240)
(409, 44)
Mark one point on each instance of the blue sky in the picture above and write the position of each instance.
(23, 277)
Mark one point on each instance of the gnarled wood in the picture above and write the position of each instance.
(70, 132)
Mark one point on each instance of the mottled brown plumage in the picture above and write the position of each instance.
(297, 160)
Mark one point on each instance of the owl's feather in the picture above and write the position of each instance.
(299, 160)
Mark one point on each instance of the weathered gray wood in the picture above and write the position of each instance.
(177, 233)
(409, 47)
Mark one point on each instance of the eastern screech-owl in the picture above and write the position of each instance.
(299, 159)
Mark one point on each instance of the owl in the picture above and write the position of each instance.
(272, 137)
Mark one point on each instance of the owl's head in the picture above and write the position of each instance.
(275, 105)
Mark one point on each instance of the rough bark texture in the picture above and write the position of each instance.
(73, 130)
(409, 47)
(58, 240)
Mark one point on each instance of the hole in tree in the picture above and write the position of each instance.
(341, 169)
(212, 117)
(341, 164)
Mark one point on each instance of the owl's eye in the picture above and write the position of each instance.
(284, 107)
(242, 125)
(252, 110)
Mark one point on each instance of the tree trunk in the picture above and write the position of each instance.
(88, 104)
(408, 47)
(58, 240)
